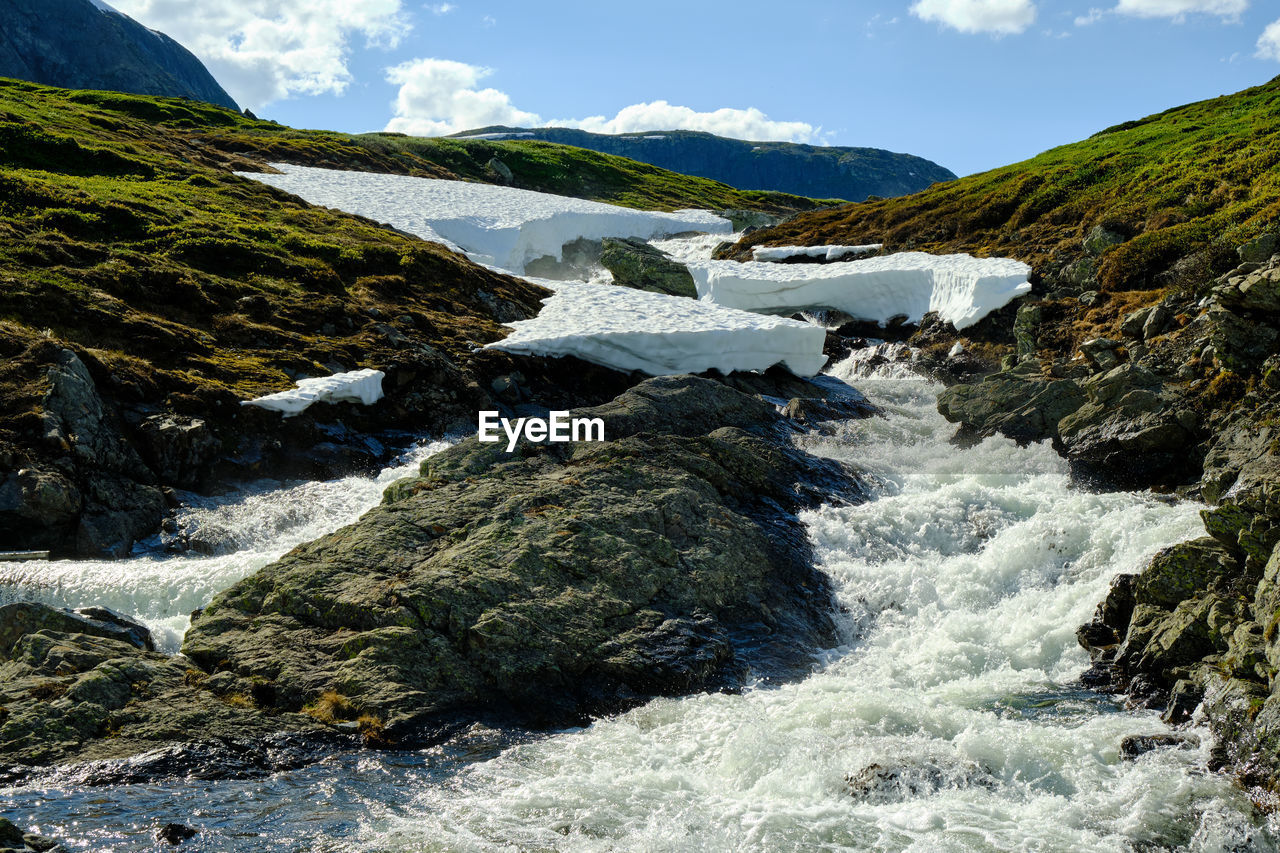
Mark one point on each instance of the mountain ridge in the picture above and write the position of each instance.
(815, 171)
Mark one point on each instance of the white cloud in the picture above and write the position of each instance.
(265, 50)
(1092, 17)
(1269, 42)
(1179, 9)
(440, 8)
(440, 96)
(750, 123)
(1002, 17)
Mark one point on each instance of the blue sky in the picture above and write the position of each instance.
(972, 84)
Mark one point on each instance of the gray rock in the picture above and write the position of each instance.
(22, 618)
(554, 580)
(1134, 322)
(1099, 239)
(1024, 329)
(1082, 272)
(502, 170)
(636, 264)
(1157, 321)
(1259, 249)
(1101, 353)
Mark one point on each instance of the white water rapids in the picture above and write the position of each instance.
(246, 529)
(963, 581)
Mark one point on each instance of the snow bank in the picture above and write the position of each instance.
(960, 288)
(828, 253)
(630, 329)
(501, 226)
(356, 386)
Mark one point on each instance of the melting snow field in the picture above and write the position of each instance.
(502, 226)
(960, 288)
(356, 386)
(629, 329)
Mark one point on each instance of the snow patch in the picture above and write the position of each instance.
(356, 386)
(630, 329)
(501, 226)
(829, 253)
(962, 289)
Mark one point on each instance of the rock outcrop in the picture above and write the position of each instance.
(553, 582)
(539, 587)
(635, 263)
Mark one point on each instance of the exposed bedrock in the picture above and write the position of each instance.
(556, 581)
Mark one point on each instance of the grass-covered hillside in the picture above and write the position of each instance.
(129, 246)
(1182, 186)
(123, 229)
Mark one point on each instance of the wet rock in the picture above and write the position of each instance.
(636, 264)
(1132, 431)
(181, 450)
(1185, 696)
(556, 580)
(887, 783)
(22, 618)
(175, 833)
(1133, 746)
(1022, 407)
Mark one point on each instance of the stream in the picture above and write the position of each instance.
(948, 718)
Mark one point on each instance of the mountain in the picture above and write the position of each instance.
(86, 44)
(809, 170)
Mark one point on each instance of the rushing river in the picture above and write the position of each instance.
(963, 581)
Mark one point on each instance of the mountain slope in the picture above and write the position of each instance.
(143, 283)
(808, 170)
(1180, 188)
(80, 44)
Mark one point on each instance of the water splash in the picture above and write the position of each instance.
(239, 533)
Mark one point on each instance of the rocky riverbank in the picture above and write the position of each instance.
(1183, 396)
(541, 586)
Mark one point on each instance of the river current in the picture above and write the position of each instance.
(949, 717)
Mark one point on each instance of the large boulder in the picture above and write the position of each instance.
(83, 686)
(558, 580)
(1019, 404)
(636, 264)
(1131, 431)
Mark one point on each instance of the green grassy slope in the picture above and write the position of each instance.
(1185, 185)
(124, 234)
